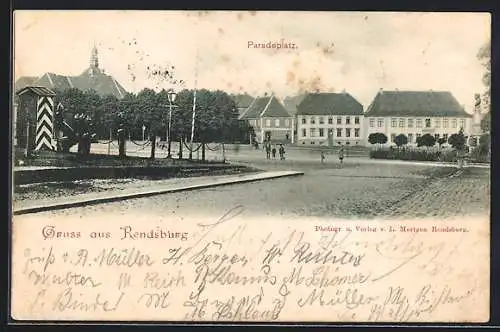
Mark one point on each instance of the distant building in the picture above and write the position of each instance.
(330, 119)
(415, 113)
(270, 120)
(92, 78)
(242, 101)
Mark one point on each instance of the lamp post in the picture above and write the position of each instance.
(171, 100)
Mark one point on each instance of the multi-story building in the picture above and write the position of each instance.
(270, 120)
(329, 119)
(415, 113)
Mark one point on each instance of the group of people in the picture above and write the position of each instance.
(341, 156)
(271, 151)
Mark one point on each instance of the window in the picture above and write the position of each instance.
(347, 120)
(393, 137)
(410, 123)
(401, 123)
(348, 132)
(356, 120)
(437, 123)
(427, 123)
(372, 123)
(462, 124)
(356, 132)
(277, 122)
(445, 136)
(321, 120)
(330, 120)
(312, 132)
(313, 120)
(454, 123)
(393, 123)
(339, 132)
(321, 132)
(419, 123)
(410, 138)
(304, 133)
(303, 120)
(268, 123)
(445, 123)
(287, 122)
(380, 123)
(339, 120)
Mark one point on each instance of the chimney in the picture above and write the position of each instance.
(381, 90)
(265, 94)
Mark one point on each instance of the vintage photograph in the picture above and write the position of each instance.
(265, 166)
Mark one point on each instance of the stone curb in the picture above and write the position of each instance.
(120, 197)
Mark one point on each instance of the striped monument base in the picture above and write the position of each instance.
(44, 139)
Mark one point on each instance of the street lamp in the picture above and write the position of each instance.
(143, 131)
(171, 100)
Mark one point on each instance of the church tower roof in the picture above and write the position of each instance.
(94, 58)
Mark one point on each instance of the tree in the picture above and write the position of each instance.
(484, 144)
(216, 117)
(377, 138)
(426, 140)
(79, 120)
(486, 122)
(484, 56)
(401, 140)
(457, 141)
(151, 109)
(441, 141)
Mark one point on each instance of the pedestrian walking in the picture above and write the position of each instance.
(273, 151)
(323, 157)
(282, 152)
(268, 151)
(341, 155)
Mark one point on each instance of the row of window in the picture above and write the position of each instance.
(412, 138)
(268, 122)
(418, 123)
(321, 132)
(321, 120)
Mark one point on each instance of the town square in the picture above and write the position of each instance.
(253, 127)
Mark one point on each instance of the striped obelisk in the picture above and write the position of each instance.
(44, 124)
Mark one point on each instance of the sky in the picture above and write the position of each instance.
(356, 52)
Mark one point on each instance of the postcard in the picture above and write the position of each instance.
(230, 166)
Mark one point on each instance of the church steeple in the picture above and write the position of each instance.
(94, 58)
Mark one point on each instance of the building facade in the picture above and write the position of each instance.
(329, 119)
(270, 120)
(416, 113)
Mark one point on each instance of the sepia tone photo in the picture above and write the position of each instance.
(236, 166)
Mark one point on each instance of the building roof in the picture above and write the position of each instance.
(103, 84)
(242, 100)
(329, 104)
(268, 107)
(416, 103)
(93, 78)
(291, 103)
(38, 90)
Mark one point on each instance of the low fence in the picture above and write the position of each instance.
(428, 155)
